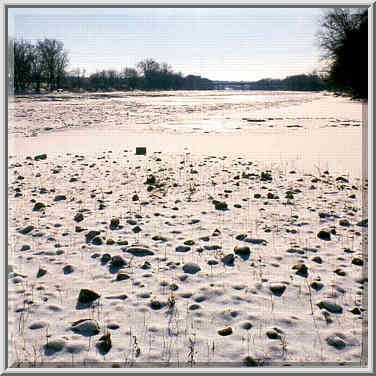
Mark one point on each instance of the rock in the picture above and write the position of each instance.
(363, 223)
(182, 248)
(246, 325)
(39, 206)
(138, 250)
(241, 237)
(357, 261)
(105, 258)
(41, 272)
(114, 223)
(266, 176)
(26, 230)
(256, 241)
(25, 247)
(191, 268)
(317, 259)
(113, 326)
(225, 331)
(341, 179)
(151, 179)
(40, 157)
(273, 334)
(228, 259)
(86, 327)
(355, 311)
(117, 261)
(78, 217)
(336, 341)
(156, 304)
(330, 306)
(136, 229)
(212, 262)
(220, 205)
(37, 325)
(344, 222)
(146, 265)
(104, 344)
(189, 242)
(87, 296)
(243, 252)
(91, 235)
(122, 276)
(135, 197)
(60, 198)
(97, 241)
(277, 289)
(317, 285)
(110, 242)
(249, 361)
(301, 270)
(54, 346)
(68, 269)
(340, 272)
(324, 235)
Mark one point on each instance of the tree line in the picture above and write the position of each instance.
(344, 41)
(45, 63)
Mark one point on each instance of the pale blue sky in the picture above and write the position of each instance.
(217, 43)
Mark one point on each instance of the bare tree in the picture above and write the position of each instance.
(344, 40)
(23, 54)
(54, 60)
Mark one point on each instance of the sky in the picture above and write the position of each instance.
(237, 44)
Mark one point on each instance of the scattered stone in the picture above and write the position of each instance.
(105, 258)
(113, 326)
(104, 344)
(249, 361)
(357, 261)
(317, 259)
(191, 268)
(110, 241)
(136, 229)
(40, 157)
(78, 217)
(363, 223)
(330, 306)
(91, 235)
(225, 331)
(85, 327)
(25, 247)
(355, 311)
(122, 276)
(117, 261)
(266, 176)
(277, 289)
(189, 242)
(317, 285)
(340, 272)
(87, 296)
(344, 222)
(241, 237)
(135, 197)
(53, 346)
(138, 250)
(341, 179)
(212, 262)
(246, 325)
(39, 206)
(97, 241)
(68, 269)
(324, 235)
(41, 272)
(220, 205)
(243, 252)
(336, 341)
(228, 259)
(114, 223)
(301, 269)
(146, 265)
(26, 230)
(273, 334)
(60, 198)
(37, 325)
(156, 304)
(182, 248)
